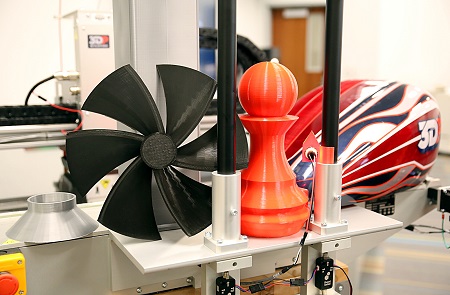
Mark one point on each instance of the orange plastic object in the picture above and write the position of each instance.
(273, 97)
(8, 284)
(272, 203)
(326, 155)
(310, 145)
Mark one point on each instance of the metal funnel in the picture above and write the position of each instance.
(52, 217)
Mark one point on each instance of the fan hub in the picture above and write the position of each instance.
(158, 151)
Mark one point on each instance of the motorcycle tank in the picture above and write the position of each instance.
(388, 137)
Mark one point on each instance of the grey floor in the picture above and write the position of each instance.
(409, 262)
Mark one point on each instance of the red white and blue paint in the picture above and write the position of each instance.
(388, 137)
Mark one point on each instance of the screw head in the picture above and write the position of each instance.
(208, 234)
(164, 285)
(234, 212)
(219, 241)
(189, 280)
(344, 221)
(338, 197)
(324, 224)
(19, 261)
(139, 290)
(340, 288)
(21, 292)
(244, 237)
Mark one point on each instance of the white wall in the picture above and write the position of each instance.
(29, 49)
(404, 40)
(361, 39)
(254, 21)
(410, 41)
(29, 52)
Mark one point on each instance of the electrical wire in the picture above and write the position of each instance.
(313, 163)
(265, 280)
(348, 279)
(242, 289)
(416, 228)
(312, 276)
(35, 86)
(284, 269)
(312, 158)
(298, 254)
(279, 282)
(80, 123)
(443, 231)
(438, 230)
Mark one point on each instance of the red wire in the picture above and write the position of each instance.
(72, 111)
(65, 109)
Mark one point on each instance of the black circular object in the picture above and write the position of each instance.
(158, 151)
(247, 53)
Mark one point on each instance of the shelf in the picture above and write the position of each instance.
(176, 250)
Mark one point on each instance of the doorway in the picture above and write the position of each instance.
(299, 36)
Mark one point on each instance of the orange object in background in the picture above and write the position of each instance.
(272, 203)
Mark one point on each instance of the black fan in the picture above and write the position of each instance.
(91, 154)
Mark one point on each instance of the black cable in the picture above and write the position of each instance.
(416, 228)
(35, 86)
(42, 98)
(348, 279)
(447, 246)
(247, 54)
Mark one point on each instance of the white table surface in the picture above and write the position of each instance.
(177, 250)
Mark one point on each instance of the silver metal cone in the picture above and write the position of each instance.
(52, 217)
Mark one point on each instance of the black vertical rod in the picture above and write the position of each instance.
(332, 74)
(226, 79)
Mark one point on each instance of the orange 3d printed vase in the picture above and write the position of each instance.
(272, 203)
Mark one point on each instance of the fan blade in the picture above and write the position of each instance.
(188, 95)
(124, 97)
(128, 209)
(189, 201)
(201, 153)
(91, 154)
(241, 146)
